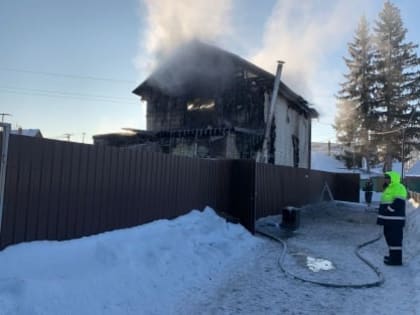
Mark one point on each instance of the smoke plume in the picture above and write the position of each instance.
(303, 34)
(172, 23)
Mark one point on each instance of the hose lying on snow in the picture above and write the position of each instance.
(376, 283)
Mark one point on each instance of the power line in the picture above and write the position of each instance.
(64, 93)
(92, 99)
(65, 75)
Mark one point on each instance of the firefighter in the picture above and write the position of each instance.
(368, 189)
(392, 216)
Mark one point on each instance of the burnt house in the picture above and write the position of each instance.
(207, 102)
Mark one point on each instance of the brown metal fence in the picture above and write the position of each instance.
(60, 190)
(280, 186)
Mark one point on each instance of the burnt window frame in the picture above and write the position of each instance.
(295, 146)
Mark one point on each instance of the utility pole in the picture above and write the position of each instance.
(83, 137)
(2, 116)
(67, 136)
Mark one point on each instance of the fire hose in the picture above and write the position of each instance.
(380, 278)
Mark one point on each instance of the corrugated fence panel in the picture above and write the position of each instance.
(97, 163)
(35, 177)
(65, 191)
(23, 189)
(11, 194)
(173, 173)
(147, 175)
(219, 183)
(81, 205)
(58, 190)
(109, 173)
(182, 183)
(213, 189)
(262, 200)
(47, 148)
(140, 187)
(151, 186)
(291, 189)
(126, 189)
(168, 211)
(74, 191)
(131, 195)
(280, 186)
(202, 168)
(316, 185)
(195, 182)
(270, 189)
(54, 191)
(114, 208)
(108, 189)
(159, 195)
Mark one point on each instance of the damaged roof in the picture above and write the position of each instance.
(199, 63)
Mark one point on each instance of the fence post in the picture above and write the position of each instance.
(242, 192)
(3, 165)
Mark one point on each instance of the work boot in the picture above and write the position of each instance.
(394, 258)
(393, 263)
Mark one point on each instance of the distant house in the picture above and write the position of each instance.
(207, 102)
(28, 132)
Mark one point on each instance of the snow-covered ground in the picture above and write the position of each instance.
(200, 264)
(324, 162)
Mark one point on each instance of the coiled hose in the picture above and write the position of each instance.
(378, 273)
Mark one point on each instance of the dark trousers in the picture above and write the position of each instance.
(368, 197)
(394, 237)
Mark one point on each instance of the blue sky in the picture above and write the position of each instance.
(70, 66)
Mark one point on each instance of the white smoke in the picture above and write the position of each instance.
(174, 22)
(303, 34)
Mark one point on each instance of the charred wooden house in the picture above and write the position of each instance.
(206, 102)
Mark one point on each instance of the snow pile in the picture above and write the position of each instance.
(142, 270)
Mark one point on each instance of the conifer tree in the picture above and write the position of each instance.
(396, 73)
(355, 99)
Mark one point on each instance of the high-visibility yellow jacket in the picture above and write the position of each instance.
(392, 207)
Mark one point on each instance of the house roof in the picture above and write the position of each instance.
(27, 132)
(196, 59)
